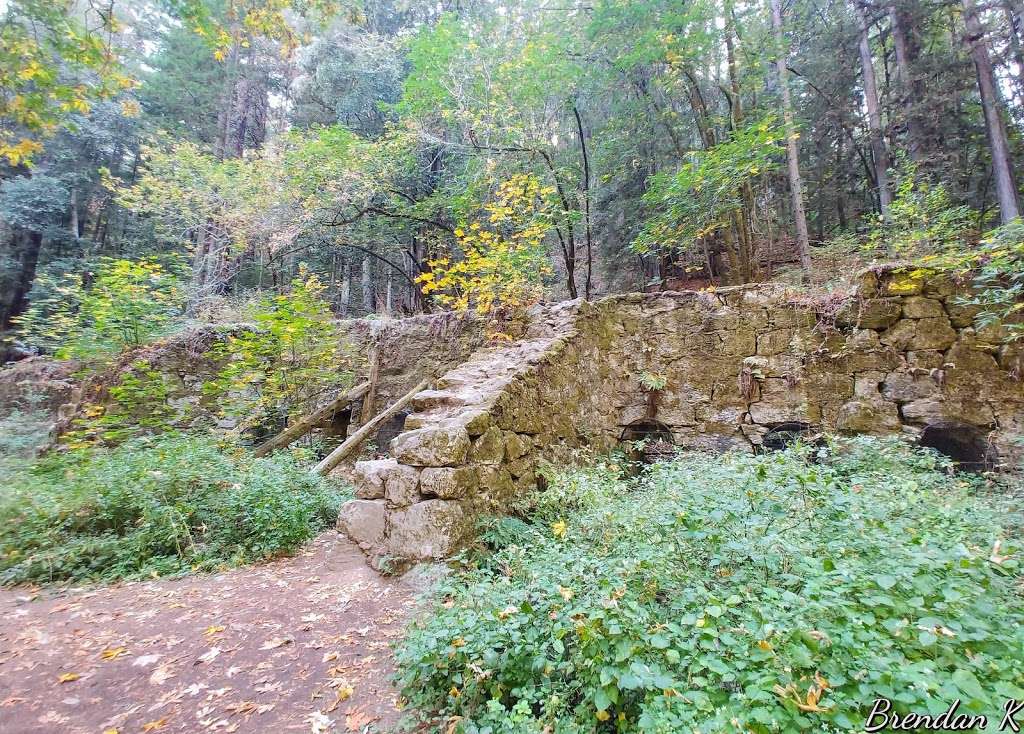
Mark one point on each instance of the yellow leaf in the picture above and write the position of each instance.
(558, 529)
(212, 630)
(154, 725)
(68, 677)
(603, 715)
(113, 653)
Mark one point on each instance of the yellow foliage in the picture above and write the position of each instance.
(503, 263)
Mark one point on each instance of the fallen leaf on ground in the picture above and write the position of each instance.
(155, 725)
(275, 643)
(244, 707)
(68, 677)
(345, 691)
(209, 656)
(113, 653)
(160, 675)
(319, 723)
(213, 630)
(356, 719)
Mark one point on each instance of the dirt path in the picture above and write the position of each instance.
(300, 644)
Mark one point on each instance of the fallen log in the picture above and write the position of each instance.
(353, 442)
(304, 425)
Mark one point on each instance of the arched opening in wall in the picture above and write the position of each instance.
(965, 444)
(337, 427)
(783, 435)
(647, 441)
(389, 429)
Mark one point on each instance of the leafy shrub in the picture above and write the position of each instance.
(738, 593)
(504, 262)
(702, 196)
(996, 267)
(155, 506)
(129, 302)
(23, 431)
(284, 365)
(922, 219)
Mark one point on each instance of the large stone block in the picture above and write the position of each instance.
(901, 283)
(781, 403)
(401, 485)
(363, 522)
(904, 387)
(825, 386)
(477, 421)
(368, 477)
(775, 342)
(516, 446)
(786, 315)
(868, 416)
(449, 483)
(927, 333)
(866, 385)
(875, 313)
(489, 448)
(432, 446)
(927, 410)
(919, 307)
(961, 314)
(428, 530)
(496, 482)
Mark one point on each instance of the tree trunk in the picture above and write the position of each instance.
(906, 56)
(346, 288)
(73, 224)
(878, 151)
(588, 231)
(1002, 171)
(25, 246)
(792, 153)
(741, 219)
(367, 286)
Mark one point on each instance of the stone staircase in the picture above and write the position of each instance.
(899, 356)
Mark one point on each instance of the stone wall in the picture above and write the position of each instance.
(897, 356)
(410, 349)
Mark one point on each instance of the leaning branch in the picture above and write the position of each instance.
(356, 439)
(304, 425)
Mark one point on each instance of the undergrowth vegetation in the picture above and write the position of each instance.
(780, 592)
(155, 506)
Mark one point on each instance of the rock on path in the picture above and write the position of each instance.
(296, 645)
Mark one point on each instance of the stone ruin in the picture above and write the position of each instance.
(740, 367)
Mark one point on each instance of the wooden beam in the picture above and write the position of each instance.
(371, 394)
(353, 442)
(304, 425)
